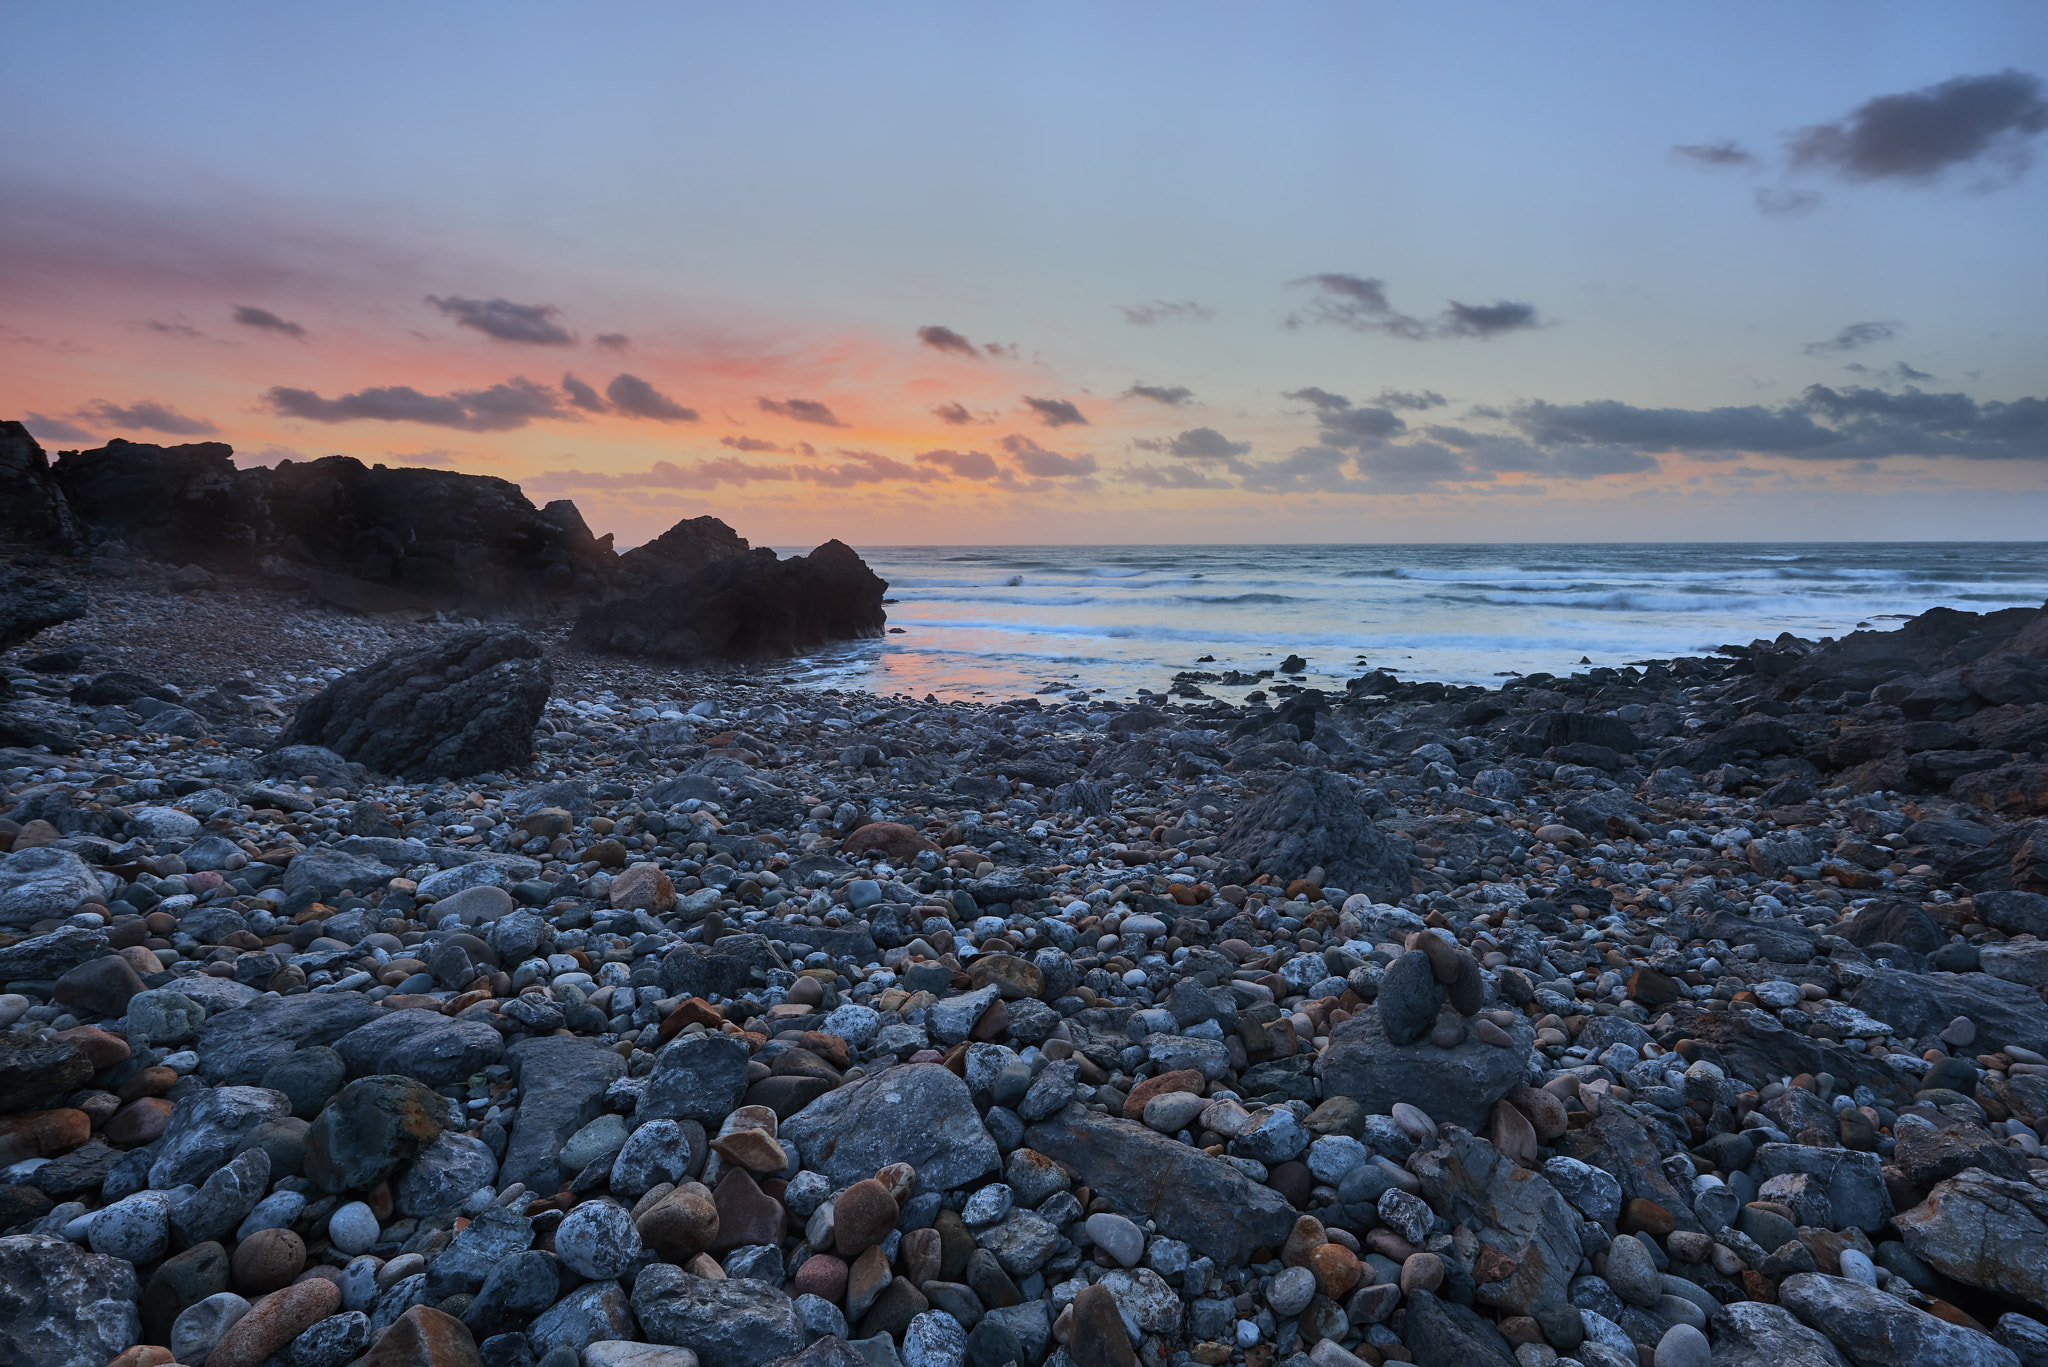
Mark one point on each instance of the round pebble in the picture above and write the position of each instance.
(352, 1228)
(1291, 1291)
(597, 1240)
(199, 1327)
(268, 1259)
(1684, 1346)
(1117, 1236)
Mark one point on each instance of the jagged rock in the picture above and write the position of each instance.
(1984, 1231)
(44, 883)
(1753, 1334)
(562, 1082)
(691, 545)
(464, 705)
(1882, 1331)
(61, 1306)
(33, 508)
(750, 605)
(1317, 818)
(241, 1045)
(1201, 1201)
(29, 605)
(51, 955)
(1517, 1213)
(1923, 1003)
(735, 1323)
(1457, 1085)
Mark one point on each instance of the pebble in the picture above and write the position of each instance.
(352, 1228)
(1117, 1236)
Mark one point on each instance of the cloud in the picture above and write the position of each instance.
(1725, 153)
(1172, 396)
(1056, 412)
(1786, 203)
(1360, 303)
(612, 341)
(636, 398)
(1165, 311)
(1175, 477)
(1353, 427)
(1321, 399)
(945, 339)
(1853, 338)
(748, 444)
(964, 464)
(801, 410)
(1401, 398)
(146, 415)
(531, 324)
(184, 330)
(251, 317)
(1003, 350)
(1036, 461)
(500, 408)
(582, 395)
(1918, 135)
(864, 467)
(1898, 372)
(953, 414)
(1486, 320)
(1198, 443)
(48, 430)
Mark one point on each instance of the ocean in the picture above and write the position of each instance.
(987, 622)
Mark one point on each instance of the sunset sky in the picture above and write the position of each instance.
(1106, 272)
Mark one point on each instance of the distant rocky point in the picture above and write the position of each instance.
(370, 538)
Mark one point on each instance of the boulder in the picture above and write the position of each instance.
(1317, 818)
(465, 705)
(1753, 1334)
(33, 509)
(920, 1114)
(421, 1044)
(1915, 1004)
(562, 1082)
(1457, 1085)
(738, 1322)
(1877, 1330)
(746, 606)
(372, 1128)
(207, 1129)
(1520, 1217)
(239, 1046)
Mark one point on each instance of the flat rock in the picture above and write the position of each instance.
(207, 1129)
(737, 1322)
(1984, 1231)
(1877, 1330)
(1753, 1334)
(61, 1306)
(562, 1082)
(44, 883)
(1924, 1003)
(426, 1045)
(1457, 1085)
(1201, 1201)
(239, 1046)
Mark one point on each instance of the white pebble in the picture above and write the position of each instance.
(352, 1228)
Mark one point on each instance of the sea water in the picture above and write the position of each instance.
(991, 622)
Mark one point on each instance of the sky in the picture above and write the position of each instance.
(1090, 273)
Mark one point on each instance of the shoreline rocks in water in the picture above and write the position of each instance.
(1681, 1014)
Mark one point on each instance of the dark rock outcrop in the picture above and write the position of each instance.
(465, 705)
(1317, 819)
(33, 508)
(29, 605)
(691, 545)
(183, 504)
(749, 606)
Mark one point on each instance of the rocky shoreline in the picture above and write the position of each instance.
(1681, 1014)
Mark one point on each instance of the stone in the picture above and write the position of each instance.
(1877, 1330)
(44, 883)
(308, 1076)
(1923, 1003)
(1201, 1201)
(1098, 1338)
(597, 1240)
(562, 1082)
(101, 986)
(1021, 1242)
(332, 1342)
(267, 1259)
(514, 1291)
(696, 1077)
(274, 1322)
(597, 1312)
(1632, 1273)
(352, 1228)
(135, 1228)
(682, 1224)
(1753, 1334)
(920, 1114)
(239, 1046)
(63, 1306)
(49, 956)
(1407, 1001)
(182, 1280)
(1118, 1237)
(1984, 1231)
(1527, 1231)
(1290, 1292)
(423, 1045)
(224, 1200)
(424, 1337)
(444, 1174)
(732, 1323)
(36, 1071)
(323, 873)
(1442, 1333)
(614, 1353)
(642, 887)
(374, 1126)
(1461, 1084)
(1851, 1183)
(861, 1216)
(467, 704)
(199, 1327)
(934, 1339)
(658, 1151)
